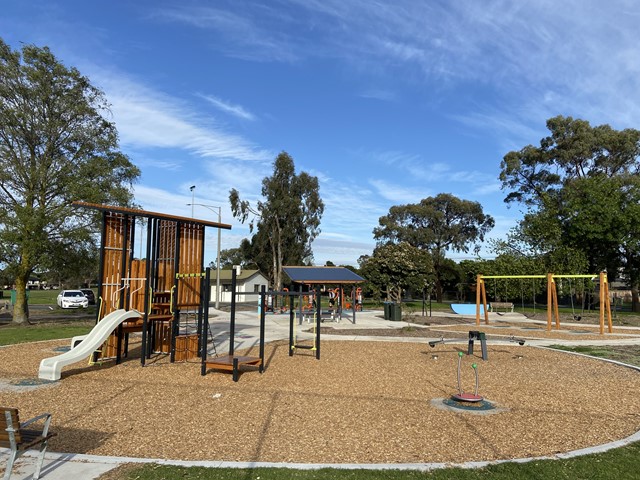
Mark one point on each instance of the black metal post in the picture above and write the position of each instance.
(153, 281)
(204, 338)
(123, 273)
(232, 323)
(354, 303)
(291, 329)
(318, 322)
(175, 325)
(262, 326)
(147, 298)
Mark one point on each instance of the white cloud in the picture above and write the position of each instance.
(241, 35)
(398, 193)
(227, 107)
(146, 118)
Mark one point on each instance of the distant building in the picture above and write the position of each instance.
(249, 281)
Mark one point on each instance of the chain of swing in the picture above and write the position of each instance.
(572, 293)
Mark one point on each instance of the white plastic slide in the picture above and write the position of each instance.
(50, 368)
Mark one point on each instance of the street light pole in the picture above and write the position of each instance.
(192, 188)
(211, 207)
(218, 263)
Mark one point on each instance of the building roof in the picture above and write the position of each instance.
(225, 275)
(312, 275)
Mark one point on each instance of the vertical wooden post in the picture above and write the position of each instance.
(602, 300)
(555, 304)
(608, 303)
(550, 285)
(484, 303)
(479, 285)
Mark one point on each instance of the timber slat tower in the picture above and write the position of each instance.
(166, 280)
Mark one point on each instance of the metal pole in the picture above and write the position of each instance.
(218, 262)
(192, 188)
(232, 325)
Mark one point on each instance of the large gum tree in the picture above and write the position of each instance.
(56, 146)
(287, 219)
(436, 225)
(581, 185)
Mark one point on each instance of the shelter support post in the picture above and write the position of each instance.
(291, 326)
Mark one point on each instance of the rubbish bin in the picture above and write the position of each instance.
(396, 312)
(387, 310)
(13, 296)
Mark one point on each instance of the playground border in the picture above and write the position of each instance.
(55, 461)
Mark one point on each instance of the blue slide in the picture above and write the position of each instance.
(466, 308)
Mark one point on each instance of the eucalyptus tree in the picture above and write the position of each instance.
(437, 225)
(57, 146)
(581, 188)
(286, 220)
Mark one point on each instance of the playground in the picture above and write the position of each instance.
(157, 385)
(365, 401)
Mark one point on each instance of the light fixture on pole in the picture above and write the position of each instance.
(192, 188)
(211, 207)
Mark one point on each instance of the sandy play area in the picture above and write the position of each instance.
(363, 402)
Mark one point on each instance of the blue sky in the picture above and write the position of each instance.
(386, 102)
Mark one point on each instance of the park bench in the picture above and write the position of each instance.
(507, 306)
(16, 437)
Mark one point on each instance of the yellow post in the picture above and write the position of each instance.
(484, 303)
(608, 304)
(555, 304)
(604, 295)
(479, 285)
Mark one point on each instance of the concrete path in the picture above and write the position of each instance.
(59, 466)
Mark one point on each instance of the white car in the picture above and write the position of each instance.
(72, 299)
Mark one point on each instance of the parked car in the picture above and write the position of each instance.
(90, 295)
(72, 299)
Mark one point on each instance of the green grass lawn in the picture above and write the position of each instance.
(10, 334)
(619, 464)
(629, 354)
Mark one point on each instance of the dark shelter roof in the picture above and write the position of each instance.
(322, 275)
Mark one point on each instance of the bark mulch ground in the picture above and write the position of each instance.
(363, 402)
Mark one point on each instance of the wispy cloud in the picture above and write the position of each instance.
(246, 33)
(399, 193)
(379, 94)
(147, 118)
(533, 59)
(227, 107)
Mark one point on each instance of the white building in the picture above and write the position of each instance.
(249, 281)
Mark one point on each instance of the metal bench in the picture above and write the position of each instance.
(16, 437)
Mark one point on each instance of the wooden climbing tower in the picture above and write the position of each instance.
(165, 282)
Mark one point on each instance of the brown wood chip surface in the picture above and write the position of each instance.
(363, 402)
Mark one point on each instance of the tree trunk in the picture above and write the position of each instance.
(21, 308)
